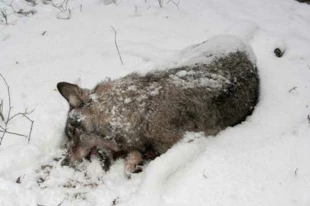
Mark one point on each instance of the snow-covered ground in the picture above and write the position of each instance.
(263, 161)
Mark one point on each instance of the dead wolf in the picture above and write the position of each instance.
(138, 113)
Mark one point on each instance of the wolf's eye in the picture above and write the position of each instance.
(74, 130)
(70, 131)
(75, 123)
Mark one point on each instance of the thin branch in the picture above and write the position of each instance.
(14, 133)
(61, 202)
(5, 16)
(119, 54)
(1, 110)
(176, 4)
(4, 129)
(65, 18)
(9, 95)
(292, 89)
(27, 113)
(29, 136)
(160, 2)
(62, 6)
(24, 114)
(11, 5)
(2, 137)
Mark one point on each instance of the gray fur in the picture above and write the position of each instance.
(154, 110)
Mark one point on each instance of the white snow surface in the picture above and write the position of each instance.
(263, 161)
(214, 48)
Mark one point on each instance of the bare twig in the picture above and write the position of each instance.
(1, 110)
(296, 172)
(204, 175)
(9, 96)
(14, 133)
(119, 54)
(160, 2)
(4, 16)
(65, 18)
(1, 138)
(62, 7)
(292, 89)
(61, 202)
(22, 114)
(29, 135)
(176, 4)
(309, 118)
(11, 5)
(4, 129)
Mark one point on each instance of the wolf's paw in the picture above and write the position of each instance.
(134, 163)
(132, 169)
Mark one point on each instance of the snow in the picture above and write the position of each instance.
(216, 47)
(263, 161)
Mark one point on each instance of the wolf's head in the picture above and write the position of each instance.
(83, 122)
(77, 123)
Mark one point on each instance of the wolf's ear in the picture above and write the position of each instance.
(75, 95)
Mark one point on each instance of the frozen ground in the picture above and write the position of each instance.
(263, 161)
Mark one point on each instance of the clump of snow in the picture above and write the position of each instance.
(195, 79)
(127, 100)
(245, 30)
(204, 53)
(214, 48)
(181, 73)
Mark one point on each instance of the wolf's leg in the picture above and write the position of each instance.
(76, 154)
(133, 163)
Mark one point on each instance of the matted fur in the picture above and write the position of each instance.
(137, 112)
